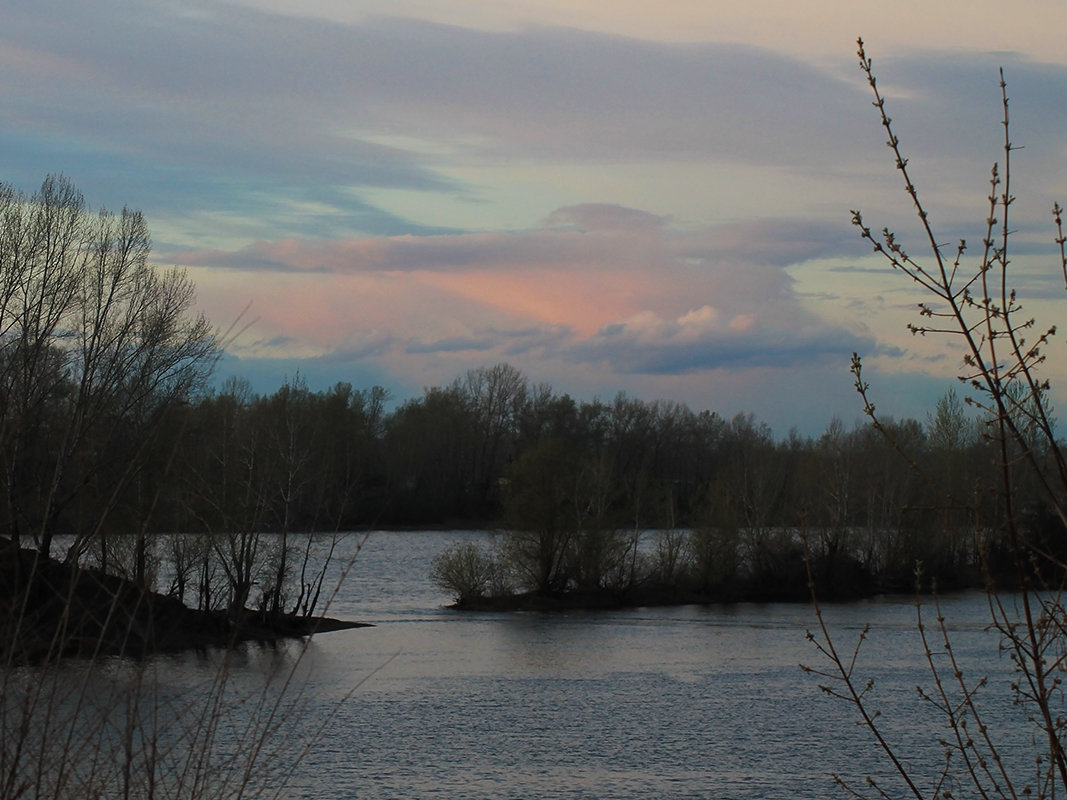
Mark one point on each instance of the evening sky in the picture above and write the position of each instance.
(611, 196)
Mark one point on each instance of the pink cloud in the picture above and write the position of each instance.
(604, 288)
(742, 323)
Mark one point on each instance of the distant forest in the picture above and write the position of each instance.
(301, 460)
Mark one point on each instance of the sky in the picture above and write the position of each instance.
(623, 196)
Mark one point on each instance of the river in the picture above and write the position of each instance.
(688, 702)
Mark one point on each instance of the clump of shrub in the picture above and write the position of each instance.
(468, 572)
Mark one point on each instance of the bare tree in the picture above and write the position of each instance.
(495, 397)
(99, 354)
(973, 303)
(96, 346)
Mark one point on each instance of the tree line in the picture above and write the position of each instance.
(493, 450)
(648, 502)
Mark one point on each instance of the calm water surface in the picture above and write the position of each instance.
(687, 702)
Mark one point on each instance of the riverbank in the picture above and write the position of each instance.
(51, 609)
(847, 583)
(646, 597)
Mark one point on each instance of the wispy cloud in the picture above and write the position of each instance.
(611, 287)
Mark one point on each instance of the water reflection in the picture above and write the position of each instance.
(683, 702)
